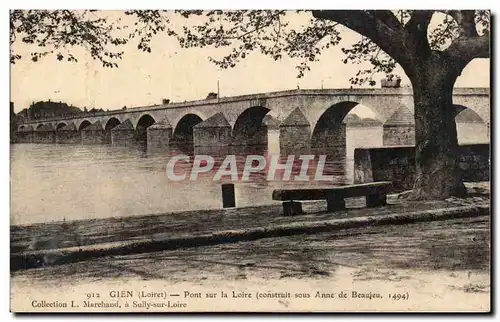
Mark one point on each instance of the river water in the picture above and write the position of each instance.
(51, 182)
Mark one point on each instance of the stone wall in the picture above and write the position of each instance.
(401, 134)
(397, 164)
(475, 162)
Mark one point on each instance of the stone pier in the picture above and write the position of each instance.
(399, 128)
(94, 134)
(44, 134)
(159, 134)
(214, 131)
(25, 134)
(68, 134)
(271, 123)
(124, 134)
(295, 132)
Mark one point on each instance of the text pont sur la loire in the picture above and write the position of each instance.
(304, 167)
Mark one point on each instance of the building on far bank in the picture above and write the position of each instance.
(48, 109)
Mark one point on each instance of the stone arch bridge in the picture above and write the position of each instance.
(305, 118)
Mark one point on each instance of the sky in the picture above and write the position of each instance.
(178, 74)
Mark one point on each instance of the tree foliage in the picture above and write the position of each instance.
(274, 33)
(51, 32)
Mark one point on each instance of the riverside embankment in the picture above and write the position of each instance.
(441, 265)
(55, 243)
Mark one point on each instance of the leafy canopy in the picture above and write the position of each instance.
(387, 38)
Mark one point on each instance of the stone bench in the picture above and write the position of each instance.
(375, 193)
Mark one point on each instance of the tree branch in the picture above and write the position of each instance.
(419, 20)
(387, 17)
(376, 25)
(258, 27)
(418, 25)
(440, 38)
(468, 48)
(466, 22)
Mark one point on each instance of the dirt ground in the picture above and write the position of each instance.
(435, 266)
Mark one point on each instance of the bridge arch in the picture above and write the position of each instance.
(143, 123)
(471, 127)
(39, 126)
(84, 124)
(329, 130)
(249, 128)
(60, 125)
(183, 131)
(111, 123)
(477, 100)
(465, 114)
(25, 128)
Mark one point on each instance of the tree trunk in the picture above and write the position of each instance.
(436, 146)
